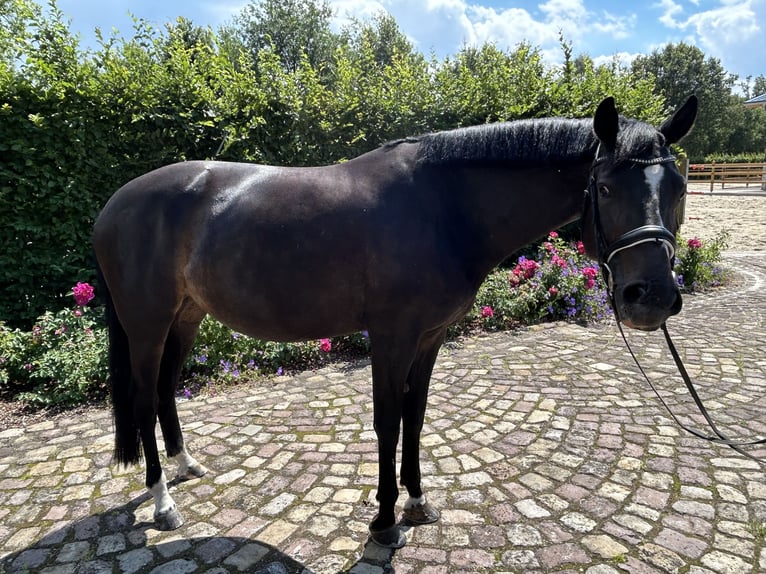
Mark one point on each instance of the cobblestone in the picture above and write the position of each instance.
(543, 448)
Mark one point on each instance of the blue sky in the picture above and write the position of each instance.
(731, 30)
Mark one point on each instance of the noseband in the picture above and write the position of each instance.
(644, 234)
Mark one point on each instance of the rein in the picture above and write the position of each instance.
(656, 234)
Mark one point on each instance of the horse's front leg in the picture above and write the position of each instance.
(391, 361)
(417, 510)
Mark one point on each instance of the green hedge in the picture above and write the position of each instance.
(735, 158)
(77, 125)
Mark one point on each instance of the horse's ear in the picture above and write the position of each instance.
(606, 123)
(677, 126)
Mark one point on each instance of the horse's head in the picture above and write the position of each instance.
(632, 212)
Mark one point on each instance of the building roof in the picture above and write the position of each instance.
(757, 100)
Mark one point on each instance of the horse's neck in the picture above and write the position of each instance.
(507, 209)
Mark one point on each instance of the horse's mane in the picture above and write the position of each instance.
(533, 143)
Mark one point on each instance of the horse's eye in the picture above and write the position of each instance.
(603, 190)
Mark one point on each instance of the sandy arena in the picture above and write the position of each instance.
(743, 216)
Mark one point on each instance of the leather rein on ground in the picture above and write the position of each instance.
(661, 235)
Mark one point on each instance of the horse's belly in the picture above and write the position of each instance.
(280, 304)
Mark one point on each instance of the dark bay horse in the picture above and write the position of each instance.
(395, 242)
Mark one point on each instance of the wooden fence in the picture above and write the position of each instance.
(729, 174)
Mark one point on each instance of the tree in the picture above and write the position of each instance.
(680, 70)
(290, 28)
(488, 84)
(382, 36)
(759, 86)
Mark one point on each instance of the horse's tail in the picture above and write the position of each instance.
(127, 440)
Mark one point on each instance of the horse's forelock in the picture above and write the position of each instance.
(637, 139)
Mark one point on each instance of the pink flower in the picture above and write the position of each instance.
(694, 243)
(580, 248)
(526, 268)
(553, 235)
(553, 291)
(562, 263)
(83, 293)
(548, 246)
(77, 313)
(487, 312)
(325, 345)
(590, 274)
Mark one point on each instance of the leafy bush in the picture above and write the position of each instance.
(754, 157)
(698, 264)
(222, 356)
(561, 283)
(61, 361)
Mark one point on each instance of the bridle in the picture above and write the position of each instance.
(644, 234)
(663, 236)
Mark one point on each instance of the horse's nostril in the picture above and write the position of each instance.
(633, 293)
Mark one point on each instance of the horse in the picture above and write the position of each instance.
(395, 242)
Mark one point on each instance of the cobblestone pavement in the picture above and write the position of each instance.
(543, 448)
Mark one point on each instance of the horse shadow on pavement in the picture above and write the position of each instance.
(123, 539)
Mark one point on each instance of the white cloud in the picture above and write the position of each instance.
(668, 17)
(622, 59)
(362, 9)
(615, 26)
(733, 23)
(509, 27)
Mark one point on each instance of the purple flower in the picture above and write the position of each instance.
(280, 371)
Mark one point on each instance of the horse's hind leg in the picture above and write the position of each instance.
(146, 352)
(417, 510)
(178, 345)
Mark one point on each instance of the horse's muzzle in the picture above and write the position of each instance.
(645, 305)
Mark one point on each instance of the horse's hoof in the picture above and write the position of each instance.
(192, 472)
(421, 514)
(169, 520)
(391, 537)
